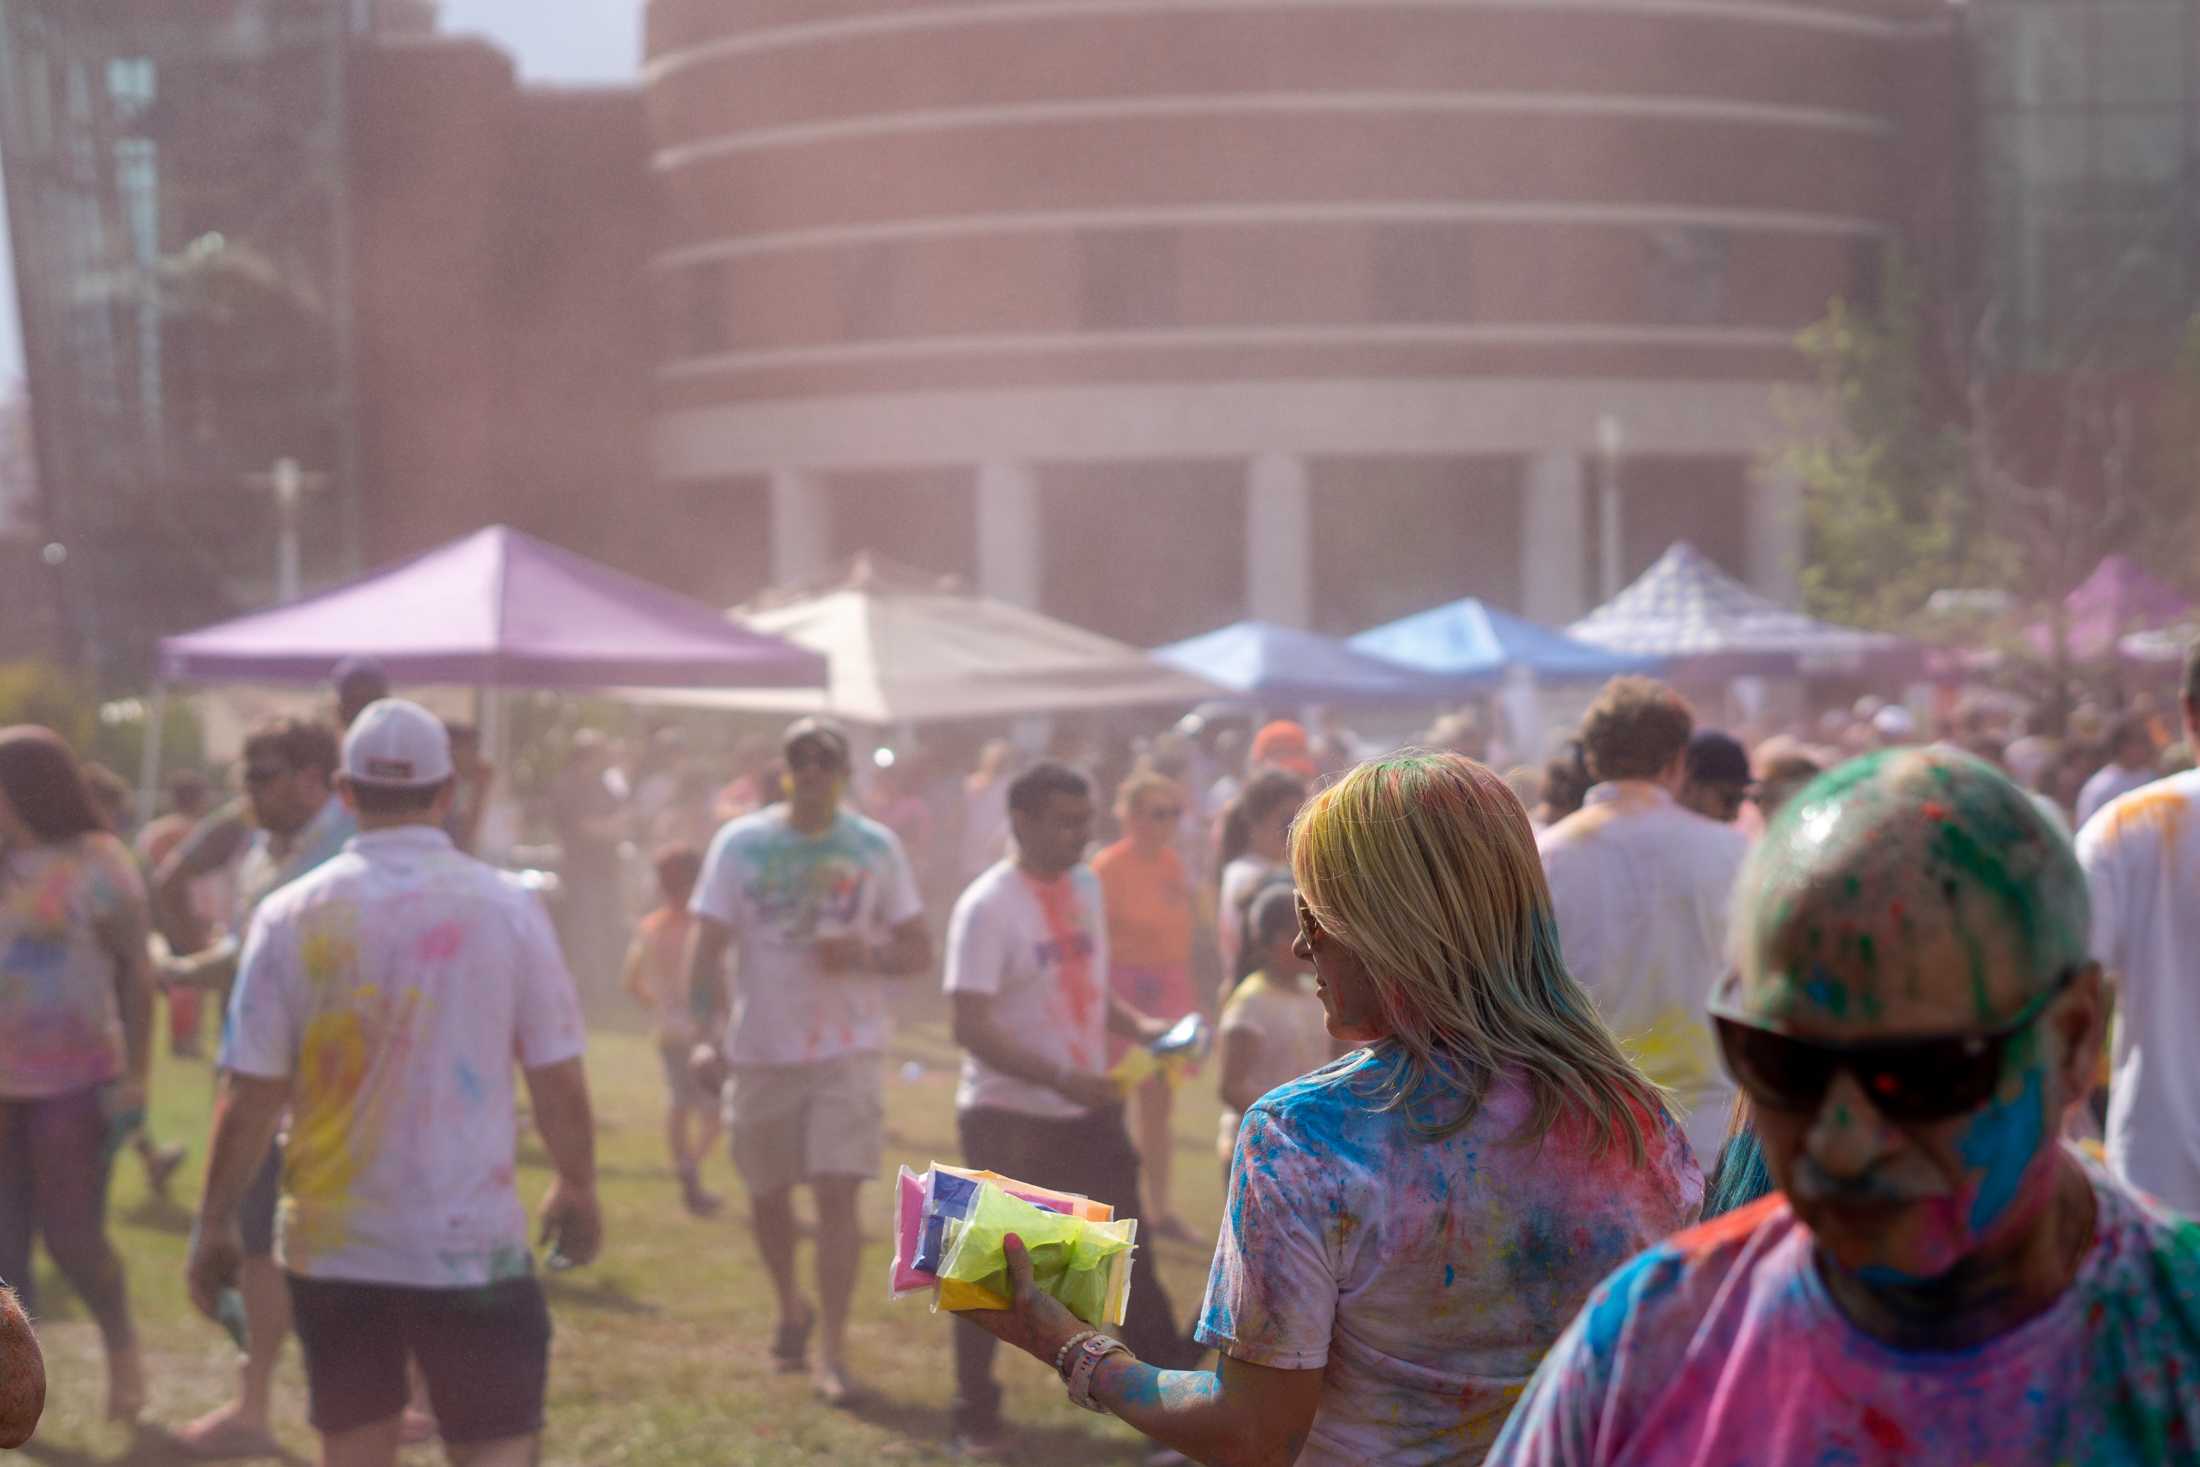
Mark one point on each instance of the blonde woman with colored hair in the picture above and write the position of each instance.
(1410, 1227)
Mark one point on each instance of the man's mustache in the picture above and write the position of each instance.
(1812, 1183)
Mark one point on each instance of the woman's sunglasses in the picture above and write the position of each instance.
(1910, 1081)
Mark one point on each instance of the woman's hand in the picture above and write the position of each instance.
(1034, 1321)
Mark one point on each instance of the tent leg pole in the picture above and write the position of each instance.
(156, 718)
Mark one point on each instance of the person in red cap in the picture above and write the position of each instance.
(1283, 745)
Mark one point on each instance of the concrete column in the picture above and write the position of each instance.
(1279, 540)
(1554, 526)
(1776, 534)
(1009, 554)
(801, 529)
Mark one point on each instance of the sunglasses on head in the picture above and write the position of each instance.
(1913, 1080)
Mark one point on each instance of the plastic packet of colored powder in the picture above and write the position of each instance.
(1082, 1263)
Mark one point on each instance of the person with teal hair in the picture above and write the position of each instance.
(1935, 1276)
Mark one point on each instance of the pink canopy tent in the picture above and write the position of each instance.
(2116, 599)
(497, 609)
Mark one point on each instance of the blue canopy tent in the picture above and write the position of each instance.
(1470, 640)
(1258, 659)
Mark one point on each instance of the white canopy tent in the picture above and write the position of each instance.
(911, 656)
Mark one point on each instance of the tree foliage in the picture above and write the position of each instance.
(1883, 471)
(1931, 464)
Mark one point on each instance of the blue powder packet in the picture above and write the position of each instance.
(945, 1196)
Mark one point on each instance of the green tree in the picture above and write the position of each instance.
(1883, 467)
(1930, 462)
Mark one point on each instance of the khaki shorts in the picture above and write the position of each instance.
(796, 1123)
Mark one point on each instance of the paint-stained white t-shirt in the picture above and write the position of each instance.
(2142, 862)
(1040, 949)
(1642, 888)
(395, 986)
(780, 891)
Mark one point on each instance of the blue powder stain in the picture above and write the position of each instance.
(1827, 992)
(1644, 1279)
(469, 1084)
(1882, 1276)
(2002, 1142)
(1448, 1275)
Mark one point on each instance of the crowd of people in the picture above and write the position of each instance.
(1690, 1097)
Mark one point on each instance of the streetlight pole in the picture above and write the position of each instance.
(288, 481)
(289, 484)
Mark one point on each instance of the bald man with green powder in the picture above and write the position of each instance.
(1938, 1279)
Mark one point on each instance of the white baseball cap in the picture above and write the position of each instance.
(397, 744)
(1894, 722)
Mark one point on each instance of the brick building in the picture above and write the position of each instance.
(1304, 311)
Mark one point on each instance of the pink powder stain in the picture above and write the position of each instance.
(1886, 1433)
(441, 943)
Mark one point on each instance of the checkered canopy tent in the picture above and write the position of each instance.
(1685, 608)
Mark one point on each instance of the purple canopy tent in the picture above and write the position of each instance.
(497, 609)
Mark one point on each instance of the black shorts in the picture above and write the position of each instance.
(485, 1352)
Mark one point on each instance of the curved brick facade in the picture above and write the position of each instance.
(890, 231)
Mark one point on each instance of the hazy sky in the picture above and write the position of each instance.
(569, 40)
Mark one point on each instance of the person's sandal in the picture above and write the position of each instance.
(791, 1344)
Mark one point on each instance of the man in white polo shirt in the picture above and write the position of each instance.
(383, 999)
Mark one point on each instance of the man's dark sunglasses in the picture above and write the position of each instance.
(1163, 813)
(259, 774)
(1931, 1078)
(810, 757)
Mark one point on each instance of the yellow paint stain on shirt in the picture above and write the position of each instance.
(2164, 810)
(1676, 1050)
(339, 1108)
(329, 948)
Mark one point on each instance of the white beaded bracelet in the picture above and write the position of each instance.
(1089, 1355)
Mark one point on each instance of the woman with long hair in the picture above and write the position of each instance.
(75, 1019)
(1251, 854)
(1410, 1227)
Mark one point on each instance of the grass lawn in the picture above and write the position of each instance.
(661, 1353)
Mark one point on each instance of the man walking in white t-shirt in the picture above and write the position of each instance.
(1027, 969)
(1641, 887)
(383, 998)
(2141, 856)
(824, 906)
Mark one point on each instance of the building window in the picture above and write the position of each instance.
(1130, 278)
(1419, 272)
(1686, 275)
(2091, 131)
